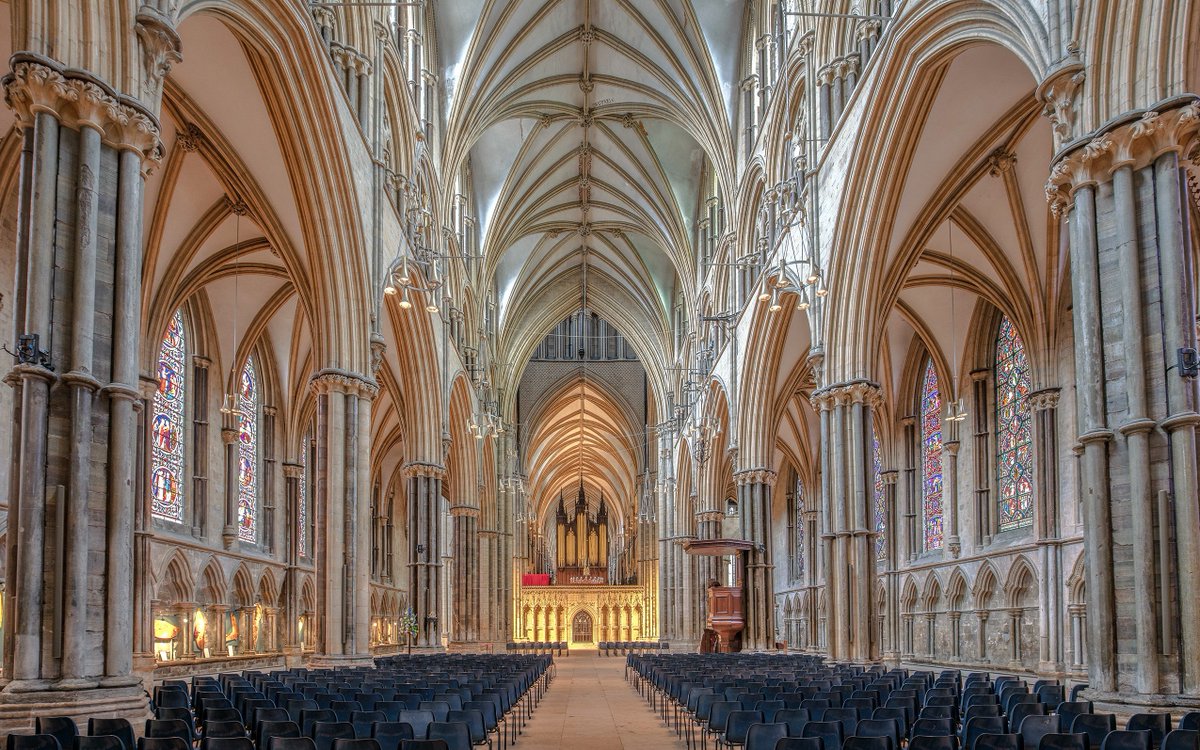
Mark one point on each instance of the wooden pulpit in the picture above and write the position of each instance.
(726, 616)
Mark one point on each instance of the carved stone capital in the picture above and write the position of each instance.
(424, 469)
(1135, 144)
(339, 381)
(850, 392)
(464, 511)
(292, 470)
(756, 476)
(1047, 398)
(39, 85)
(890, 476)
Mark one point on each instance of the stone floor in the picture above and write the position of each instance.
(590, 706)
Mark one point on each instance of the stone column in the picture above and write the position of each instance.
(465, 520)
(343, 543)
(143, 580)
(424, 561)
(950, 457)
(1044, 407)
(1123, 194)
(892, 621)
(292, 646)
(200, 446)
(847, 476)
(78, 261)
(754, 498)
(912, 498)
(983, 616)
(229, 438)
(980, 416)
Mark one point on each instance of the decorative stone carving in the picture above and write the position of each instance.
(189, 137)
(339, 381)
(1045, 399)
(1136, 144)
(1057, 94)
(424, 469)
(756, 476)
(1001, 161)
(161, 48)
(76, 99)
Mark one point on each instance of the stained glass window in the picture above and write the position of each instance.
(248, 453)
(931, 457)
(1014, 429)
(166, 451)
(302, 502)
(880, 507)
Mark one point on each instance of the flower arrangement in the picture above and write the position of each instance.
(407, 625)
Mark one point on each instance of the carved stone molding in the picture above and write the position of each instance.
(1134, 143)
(77, 99)
(464, 511)
(755, 476)
(292, 471)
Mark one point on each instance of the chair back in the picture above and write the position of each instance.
(119, 728)
(830, 733)
(859, 742)
(456, 735)
(1127, 739)
(800, 743)
(765, 736)
(419, 720)
(1034, 728)
(1063, 741)
(933, 742)
(63, 728)
(1182, 739)
(1157, 724)
(389, 734)
(1095, 726)
(998, 742)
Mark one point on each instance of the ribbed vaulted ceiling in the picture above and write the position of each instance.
(588, 124)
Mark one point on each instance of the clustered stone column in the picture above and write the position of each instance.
(465, 525)
(1124, 194)
(77, 322)
(754, 499)
(343, 539)
(424, 562)
(847, 535)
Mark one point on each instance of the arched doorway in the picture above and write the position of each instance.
(581, 627)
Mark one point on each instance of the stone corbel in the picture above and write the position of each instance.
(1057, 94)
(161, 48)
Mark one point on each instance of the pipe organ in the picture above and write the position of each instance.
(582, 542)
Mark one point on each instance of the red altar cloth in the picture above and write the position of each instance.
(535, 579)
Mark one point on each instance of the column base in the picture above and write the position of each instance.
(293, 656)
(1126, 704)
(322, 661)
(23, 700)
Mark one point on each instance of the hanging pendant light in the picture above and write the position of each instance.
(775, 306)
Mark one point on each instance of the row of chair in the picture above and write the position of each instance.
(475, 696)
(622, 648)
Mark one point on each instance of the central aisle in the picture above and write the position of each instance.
(590, 705)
